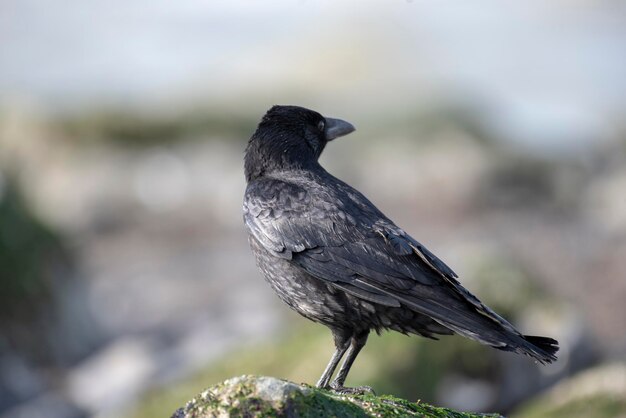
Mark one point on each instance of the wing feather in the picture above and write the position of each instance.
(346, 241)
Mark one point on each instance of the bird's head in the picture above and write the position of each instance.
(290, 137)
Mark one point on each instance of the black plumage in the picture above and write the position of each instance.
(336, 259)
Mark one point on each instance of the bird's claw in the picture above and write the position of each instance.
(359, 390)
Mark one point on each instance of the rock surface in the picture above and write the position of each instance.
(259, 396)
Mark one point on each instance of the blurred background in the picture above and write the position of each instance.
(493, 132)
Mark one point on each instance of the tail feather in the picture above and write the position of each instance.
(484, 325)
(541, 348)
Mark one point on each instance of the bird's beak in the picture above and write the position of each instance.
(336, 128)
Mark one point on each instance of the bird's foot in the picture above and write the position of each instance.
(359, 390)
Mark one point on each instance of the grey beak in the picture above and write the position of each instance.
(336, 128)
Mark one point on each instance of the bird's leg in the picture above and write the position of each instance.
(357, 342)
(342, 342)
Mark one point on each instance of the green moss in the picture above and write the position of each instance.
(260, 397)
(390, 406)
(319, 403)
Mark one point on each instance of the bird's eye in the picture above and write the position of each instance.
(321, 125)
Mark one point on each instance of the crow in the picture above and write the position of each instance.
(336, 259)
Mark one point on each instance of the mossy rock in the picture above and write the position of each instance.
(259, 396)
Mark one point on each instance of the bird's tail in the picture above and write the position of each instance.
(490, 329)
(471, 318)
(542, 348)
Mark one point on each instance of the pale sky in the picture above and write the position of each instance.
(550, 65)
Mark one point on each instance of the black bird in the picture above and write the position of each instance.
(336, 259)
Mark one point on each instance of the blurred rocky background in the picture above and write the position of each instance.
(492, 132)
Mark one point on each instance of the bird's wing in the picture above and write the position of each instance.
(287, 220)
(347, 241)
